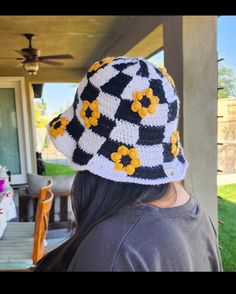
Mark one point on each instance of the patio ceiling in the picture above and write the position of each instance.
(87, 38)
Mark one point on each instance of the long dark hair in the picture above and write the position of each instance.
(93, 200)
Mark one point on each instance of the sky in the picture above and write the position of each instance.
(226, 41)
(58, 95)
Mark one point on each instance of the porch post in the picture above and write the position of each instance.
(191, 58)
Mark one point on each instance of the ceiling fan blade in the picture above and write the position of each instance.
(65, 56)
(24, 53)
(11, 58)
(51, 62)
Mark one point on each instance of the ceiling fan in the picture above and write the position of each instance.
(31, 57)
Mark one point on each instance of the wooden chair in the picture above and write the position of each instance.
(61, 215)
(24, 252)
(41, 222)
(16, 230)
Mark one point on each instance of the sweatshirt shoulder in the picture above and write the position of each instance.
(99, 248)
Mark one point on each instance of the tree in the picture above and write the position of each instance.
(226, 80)
(41, 119)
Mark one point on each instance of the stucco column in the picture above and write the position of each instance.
(191, 58)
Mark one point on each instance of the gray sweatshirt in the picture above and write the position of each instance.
(148, 238)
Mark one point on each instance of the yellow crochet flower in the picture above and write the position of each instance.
(58, 127)
(165, 73)
(175, 143)
(126, 159)
(99, 64)
(89, 113)
(144, 102)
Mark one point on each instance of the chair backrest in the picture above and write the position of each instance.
(61, 211)
(41, 221)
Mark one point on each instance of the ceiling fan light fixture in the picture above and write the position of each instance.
(31, 67)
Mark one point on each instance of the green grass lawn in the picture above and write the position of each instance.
(54, 169)
(227, 231)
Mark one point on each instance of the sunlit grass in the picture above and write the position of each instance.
(227, 231)
(54, 169)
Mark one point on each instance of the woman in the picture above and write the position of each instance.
(132, 214)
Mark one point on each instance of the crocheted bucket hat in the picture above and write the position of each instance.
(123, 124)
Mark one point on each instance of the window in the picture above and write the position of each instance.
(55, 99)
(14, 144)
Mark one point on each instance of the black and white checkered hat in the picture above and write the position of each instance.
(123, 124)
